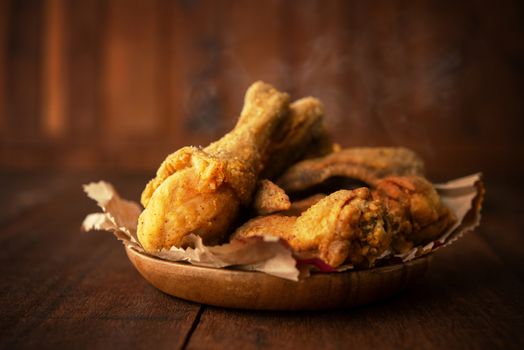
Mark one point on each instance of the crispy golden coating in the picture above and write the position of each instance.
(367, 164)
(269, 198)
(321, 144)
(413, 210)
(200, 190)
(346, 226)
(275, 225)
(302, 127)
(300, 206)
(360, 225)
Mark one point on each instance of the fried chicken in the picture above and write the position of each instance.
(321, 144)
(269, 198)
(300, 130)
(200, 190)
(358, 226)
(275, 225)
(413, 210)
(346, 226)
(366, 164)
(299, 206)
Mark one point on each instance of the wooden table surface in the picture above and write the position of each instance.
(61, 288)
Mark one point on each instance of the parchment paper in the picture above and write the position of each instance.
(271, 255)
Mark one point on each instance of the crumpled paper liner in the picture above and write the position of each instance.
(266, 254)
(271, 255)
(464, 197)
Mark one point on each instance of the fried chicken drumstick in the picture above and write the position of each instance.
(200, 190)
(302, 129)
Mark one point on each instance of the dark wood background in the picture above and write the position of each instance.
(117, 85)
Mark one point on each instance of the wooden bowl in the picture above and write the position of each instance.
(256, 290)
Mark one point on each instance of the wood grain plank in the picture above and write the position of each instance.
(86, 24)
(501, 225)
(469, 300)
(294, 27)
(30, 244)
(197, 46)
(169, 80)
(24, 191)
(54, 69)
(252, 43)
(130, 121)
(188, 56)
(359, 48)
(82, 292)
(24, 71)
(84, 60)
(443, 78)
(313, 67)
(436, 57)
(4, 22)
(62, 288)
(325, 63)
(111, 305)
(173, 52)
(130, 69)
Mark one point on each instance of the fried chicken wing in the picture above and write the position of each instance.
(413, 210)
(269, 198)
(346, 226)
(200, 190)
(366, 164)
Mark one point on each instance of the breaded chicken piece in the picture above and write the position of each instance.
(300, 206)
(301, 128)
(358, 226)
(346, 226)
(200, 190)
(269, 198)
(322, 144)
(413, 210)
(366, 164)
(275, 225)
